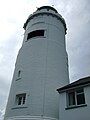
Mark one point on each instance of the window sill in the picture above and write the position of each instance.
(18, 79)
(19, 107)
(35, 38)
(71, 107)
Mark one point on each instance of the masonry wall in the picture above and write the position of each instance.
(44, 67)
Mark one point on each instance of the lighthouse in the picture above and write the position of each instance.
(41, 67)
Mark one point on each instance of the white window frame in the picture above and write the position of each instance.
(76, 94)
(23, 99)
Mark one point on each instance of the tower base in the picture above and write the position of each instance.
(30, 118)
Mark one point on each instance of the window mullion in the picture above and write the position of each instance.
(75, 98)
(22, 101)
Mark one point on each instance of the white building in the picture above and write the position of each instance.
(74, 100)
(41, 67)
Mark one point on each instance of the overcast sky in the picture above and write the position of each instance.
(13, 14)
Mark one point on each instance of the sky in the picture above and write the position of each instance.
(13, 14)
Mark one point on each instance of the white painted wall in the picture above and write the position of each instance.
(43, 63)
(80, 113)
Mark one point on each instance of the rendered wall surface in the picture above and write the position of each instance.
(79, 113)
(43, 65)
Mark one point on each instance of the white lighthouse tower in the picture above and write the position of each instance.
(41, 67)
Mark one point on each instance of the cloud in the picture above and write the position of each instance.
(78, 40)
(2, 114)
(4, 86)
(77, 17)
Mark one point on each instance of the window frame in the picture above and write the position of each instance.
(75, 97)
(35, 32)
(21, 96)
(18, 74)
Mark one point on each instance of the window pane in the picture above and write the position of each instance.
(19, 100)
(19, 73)
(71, 98)
(80, 90)
(80, 99)
(24, 97)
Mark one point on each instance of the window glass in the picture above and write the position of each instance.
(71, 97)
(19, 100)
(80, 90)
(19, 73)
(80, 99)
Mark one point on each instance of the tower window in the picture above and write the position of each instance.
(35, 33)
(19, 73)
(76, 97)
(20, 99)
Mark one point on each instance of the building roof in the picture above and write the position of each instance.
(81, 82)
(40, 12)
(47, 7)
